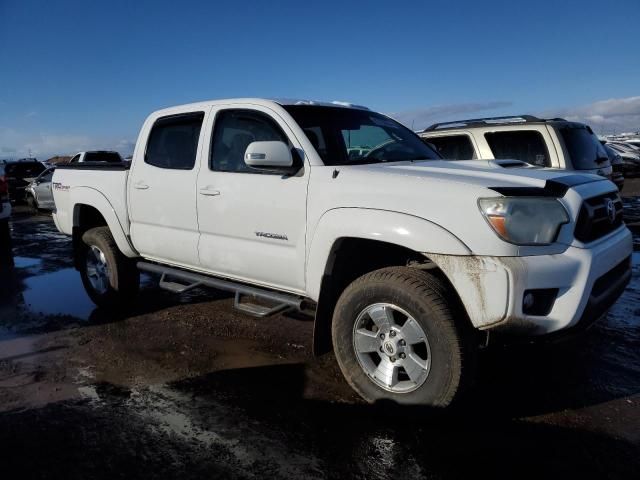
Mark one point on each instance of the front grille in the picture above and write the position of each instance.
(594, 221)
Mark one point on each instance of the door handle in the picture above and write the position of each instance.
(140, 186)
(209, 191)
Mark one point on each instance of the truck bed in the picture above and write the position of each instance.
(90, 184)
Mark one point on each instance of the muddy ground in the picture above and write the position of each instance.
(182, 386)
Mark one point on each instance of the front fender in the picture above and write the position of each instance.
(408, 231)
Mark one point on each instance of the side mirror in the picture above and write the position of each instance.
(274, 156)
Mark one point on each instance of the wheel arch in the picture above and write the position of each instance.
(97, 212)
(352, 242)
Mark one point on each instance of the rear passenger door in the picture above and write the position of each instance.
(162, 189)
(252, 223)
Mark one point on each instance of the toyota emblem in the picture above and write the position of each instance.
(611, 210)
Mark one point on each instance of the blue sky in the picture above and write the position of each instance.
(82, 74)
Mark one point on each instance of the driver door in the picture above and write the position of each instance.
(252, 224)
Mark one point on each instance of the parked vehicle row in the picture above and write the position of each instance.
(630, 156)
(28, 180)
(410, 262)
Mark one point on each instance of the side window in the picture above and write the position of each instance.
(234, 130)
(173, 141)
(453, 147)
(525, 145)
(47, 176)
(75, 159)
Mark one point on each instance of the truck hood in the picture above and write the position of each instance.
(480, 173)
(446, 193)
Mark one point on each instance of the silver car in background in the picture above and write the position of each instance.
(39, 194)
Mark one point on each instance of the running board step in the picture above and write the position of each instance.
(258, 310)
(281, 301)
(176, 287)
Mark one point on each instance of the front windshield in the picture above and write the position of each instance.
(344, 136)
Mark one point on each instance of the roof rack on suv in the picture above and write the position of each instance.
(505, 120)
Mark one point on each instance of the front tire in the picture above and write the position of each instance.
(110, 279)
(399, 335)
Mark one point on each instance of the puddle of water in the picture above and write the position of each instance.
(26, 262)
(58, 293)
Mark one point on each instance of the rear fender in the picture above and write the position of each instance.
(119, 227)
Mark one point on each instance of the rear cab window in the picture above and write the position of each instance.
(583, 147)
(526, 145)
(453, 147)
(109, 157)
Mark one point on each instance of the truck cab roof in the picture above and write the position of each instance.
(265, 102)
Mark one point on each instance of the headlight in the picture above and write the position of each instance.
(525, 220)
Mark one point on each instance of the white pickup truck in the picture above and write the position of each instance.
(409, 261)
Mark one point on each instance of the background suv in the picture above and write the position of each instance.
(555, 143)
(19, 174)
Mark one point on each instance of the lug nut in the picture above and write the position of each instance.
(381, 349)
(392, 333)
(402, 343)
(393, 359)
(382, 336)
(403, 356)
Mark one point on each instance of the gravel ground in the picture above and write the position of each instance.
(184, 386)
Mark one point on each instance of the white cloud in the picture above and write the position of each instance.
(614, 115)
(421, 118)
(17, 144)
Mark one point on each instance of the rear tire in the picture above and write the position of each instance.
(399, 335)
(110, 279)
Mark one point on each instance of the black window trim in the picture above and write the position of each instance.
(176, 116)
(254, 171)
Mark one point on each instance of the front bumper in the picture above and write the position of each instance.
(588, 282)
